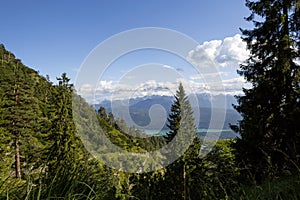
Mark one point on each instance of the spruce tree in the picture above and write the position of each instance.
(102, 113)
(175, 117)
(183, 131)
(20, 111)
(270, 109)
(5, 138)
(62, 150)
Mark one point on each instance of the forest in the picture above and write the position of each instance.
(45, 149)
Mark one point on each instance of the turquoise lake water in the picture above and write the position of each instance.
(163, 132)
(211, 134)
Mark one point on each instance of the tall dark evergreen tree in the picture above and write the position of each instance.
(63, 137)
(270, 109)
(182, 130)
(5, 138)
(175, 117)
(20, 111)
(37, 133)
(102, 113)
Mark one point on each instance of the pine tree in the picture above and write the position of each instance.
(181, 122)
(20, 111)
(183, 131)
(102, 113)
(174, 119)
(63, 138)
(270, 109)
(37, 133)
(5, 138)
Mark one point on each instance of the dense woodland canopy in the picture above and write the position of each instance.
(271, 108)
(43, 157)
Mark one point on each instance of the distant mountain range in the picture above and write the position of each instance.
(150, 112)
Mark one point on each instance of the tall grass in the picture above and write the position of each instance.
(84, 182)
(279, 189)
(282, 188)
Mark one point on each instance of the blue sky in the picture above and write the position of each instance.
(56, 36)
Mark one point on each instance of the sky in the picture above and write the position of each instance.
(53, 37)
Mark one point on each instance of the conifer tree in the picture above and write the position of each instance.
(37, 133)
(102, 113)
(63, 138)
(175, 117)
(20, 111)
(270, 109)
(5, 138)
(183, 130)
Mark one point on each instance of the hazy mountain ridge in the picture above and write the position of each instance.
(136, 111)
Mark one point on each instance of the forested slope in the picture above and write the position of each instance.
(42, 155)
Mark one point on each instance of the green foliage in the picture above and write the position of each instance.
(182, 132)
(216, 175)
(42, 156)
(22, 113)
(270, 126)
(175, 116)
(64, 142)
(36, 128)
(279, 189)
(181, 123)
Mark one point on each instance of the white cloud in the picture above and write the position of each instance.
(214, 75)
(170, 67)
(113, 91)
(86, 89)
(167, 66)
(227, 53)
(218, 61)
(234, 85)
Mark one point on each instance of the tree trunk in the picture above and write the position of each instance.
(184, 183)
(288, 60)
(17, 159)
(17, 146)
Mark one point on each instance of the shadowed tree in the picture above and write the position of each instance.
(270, 109)
(183, 131)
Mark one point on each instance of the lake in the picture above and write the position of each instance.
(210, 134)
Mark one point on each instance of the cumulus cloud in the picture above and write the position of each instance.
(117, 91)
(233, 86)
(227, 53)
(210, 75)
